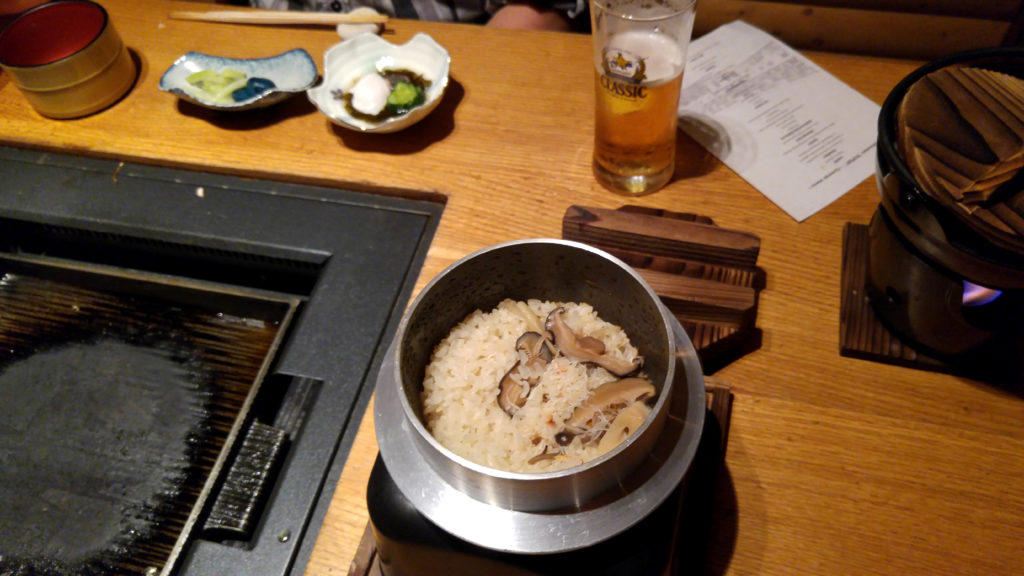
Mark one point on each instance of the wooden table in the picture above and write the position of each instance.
(834, 466)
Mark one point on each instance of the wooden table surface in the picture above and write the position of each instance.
(835, 465)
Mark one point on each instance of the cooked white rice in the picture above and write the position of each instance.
(460, 388)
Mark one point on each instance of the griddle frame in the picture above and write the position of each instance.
(350, 257)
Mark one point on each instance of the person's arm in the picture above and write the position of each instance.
(562, 15)
(529, 16)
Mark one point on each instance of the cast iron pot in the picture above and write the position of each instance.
(923, 247)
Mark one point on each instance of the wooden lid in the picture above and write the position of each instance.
(960, 130)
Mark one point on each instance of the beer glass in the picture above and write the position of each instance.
(639, 56)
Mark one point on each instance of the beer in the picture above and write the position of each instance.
(638, 78)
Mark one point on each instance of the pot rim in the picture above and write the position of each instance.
(104, 29)
(664, 391)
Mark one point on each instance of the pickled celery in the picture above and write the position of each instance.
(217, 86)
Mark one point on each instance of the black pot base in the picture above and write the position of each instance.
(866, 335)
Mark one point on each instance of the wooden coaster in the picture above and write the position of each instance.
(696, 504)
(861, 333)
(705, 274)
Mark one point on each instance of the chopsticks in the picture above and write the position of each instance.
(279, 17)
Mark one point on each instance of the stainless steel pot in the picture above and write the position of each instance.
(552, 511)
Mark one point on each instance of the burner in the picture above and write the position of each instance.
(863, 333)
(944, 276)
(399, 541)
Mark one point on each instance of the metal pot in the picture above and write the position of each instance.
(540, 512)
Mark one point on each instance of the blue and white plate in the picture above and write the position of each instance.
(291, 72)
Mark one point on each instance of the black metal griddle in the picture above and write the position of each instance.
(200, 265)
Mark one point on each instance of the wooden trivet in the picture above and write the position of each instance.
(705, 274)
(696, 504)
(861, 333)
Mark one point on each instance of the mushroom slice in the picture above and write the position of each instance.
(609, 397)
(626, 422)
(510, 392)
(532, 322)
(516, 384)
(586, 348)
(591, 345)
(532, 344)
(545, 455)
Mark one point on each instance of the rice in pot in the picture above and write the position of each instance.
(461, 389)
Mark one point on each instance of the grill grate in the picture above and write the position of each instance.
(114, 409)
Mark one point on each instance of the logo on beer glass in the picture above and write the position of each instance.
(623, 65)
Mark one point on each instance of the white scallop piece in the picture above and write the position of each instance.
(345, 63)
(370, 94)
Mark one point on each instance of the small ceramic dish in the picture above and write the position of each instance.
(291, 72)
(347, 62)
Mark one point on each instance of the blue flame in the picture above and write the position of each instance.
(975, 295)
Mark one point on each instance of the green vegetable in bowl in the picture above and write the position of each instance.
(378, 96)
(228, 86)
(217, 86)
(404, 97)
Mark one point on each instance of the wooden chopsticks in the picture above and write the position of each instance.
(279, 17)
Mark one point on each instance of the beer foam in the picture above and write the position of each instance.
(659, 52)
